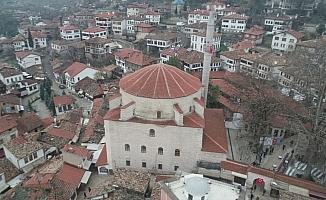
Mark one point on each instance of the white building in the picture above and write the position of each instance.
(231, 60)
(198, 16)
(277, 24)
(218, 6)
(198, 41)
(77, 156)
(102, 164)
(94, 32)
(286, 41)
(153, 17)
(162, 40)
(69, 32)
(63, 104)
(76, 72)
(119, 26)
(234, 23)
(39, 39)
(198, 187)
(136, 9)
(24, 154)
(28, 59)
(160, 123)
(132, 21)
(10, 76)
(20, 44)
(103, 20)
(28, 87)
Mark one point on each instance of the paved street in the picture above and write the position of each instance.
(38, 105)
(47, 67)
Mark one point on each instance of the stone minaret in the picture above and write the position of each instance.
(209, 50)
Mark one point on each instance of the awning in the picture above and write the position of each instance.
(85, 177)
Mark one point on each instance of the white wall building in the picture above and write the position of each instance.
(77, 156)
(198, 41)
(136, 9)
(163, 128)
(234, 23)
(8, 130)
(119, 26)
(94, 32)
(25, 155)
(28, 59)
(153, 17)
(28, 87)
(76, 72)
(63, 104)
(10, 75)
(39, 40)
(198, 16)
(69, 32)
(286, 41)
(103, 20)
(219, 7)
(162, 40)
(277, 24)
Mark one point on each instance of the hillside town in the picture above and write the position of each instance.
(163, 100)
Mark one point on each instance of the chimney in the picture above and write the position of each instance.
(208, 52)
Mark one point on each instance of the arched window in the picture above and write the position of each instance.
(127, 147)
(151, 133)
(158, 114)
(177, 152)
(143, 149)
(160, 151)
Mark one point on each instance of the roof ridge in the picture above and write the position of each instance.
(166, 82)
(209, 137)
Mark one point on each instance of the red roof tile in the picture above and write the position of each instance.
(57, 132)
(200, 101)
(83, 152)
(255, 30)
(75, 68)
(160, 81)
(7, 122)
(193, 120)
(234, 166)
(214, 136)
(295, 34)
(93, 30)
(225, 87)
(103, 158)
(47, 121)
(228, 104)
(70, 174)
(23, 54)
(68, 27)
(63, 100)
(39, 181)
(177, 107)
(243, 45)
(38, 34)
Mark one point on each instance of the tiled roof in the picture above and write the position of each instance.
(97, 40)
(28, 122)
(243, 45)
(105, 15)
(295, 34)
(75, 68)
(124, 53)
(255, 30)
(63, 100)
(80, 151)
(23, 54)
(7, 122)
(140, 59)
(68, 27)
(47, 121)
(61, 190)
(144, 25)
(279, 17)
(39, 181)
(70, 174)
(214, 136)
(10, 99)
(225, 87)
(93, 30)
(22, 148)
(103, 158)
(58, 132)
(166, 36)
(38, 34)
(234, 55)
(236, 16)
(234, 166)
(228, 104)
(160, 81)
(8, 72)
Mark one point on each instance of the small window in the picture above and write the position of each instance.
(160, 151)
(127, 147)
(190, 197)
(202, 198)
(151, 133)
(26, 160)
(127, 162)
(143, 164)
(176, 168)
(177, 152)
(158, 114)
(159, 166)
(12, 136)
(31, 157)
(143, 149)
(35, 155)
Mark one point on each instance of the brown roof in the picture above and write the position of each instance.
(279, 17)
(75, 68)
(234, 166)
(68, 27)
(7, 122)
(58, 132)
(80, 151)
(295, 34)
(93, 30)
(103, 158)
(229, 104)
(236, 16)
(23, 54)
(234, 55)
(63, 100)
(39, 180)
(70, 174)
(9, 71)
(124, 53)
(225, 87)
(160, 81)
(97, 40)
(140, 59)
(214, 137)
(10, 99)
(20, 147)
(38, 34)
(255, 30)
(29, 122)
(166, 36)
(243, 45)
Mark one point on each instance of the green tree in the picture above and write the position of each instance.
(174, 61)
(30, 38)
(320, 29)
(8, 25)
(212, 96)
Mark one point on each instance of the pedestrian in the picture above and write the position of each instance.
(283, 147)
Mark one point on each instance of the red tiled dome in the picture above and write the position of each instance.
(160, 81)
